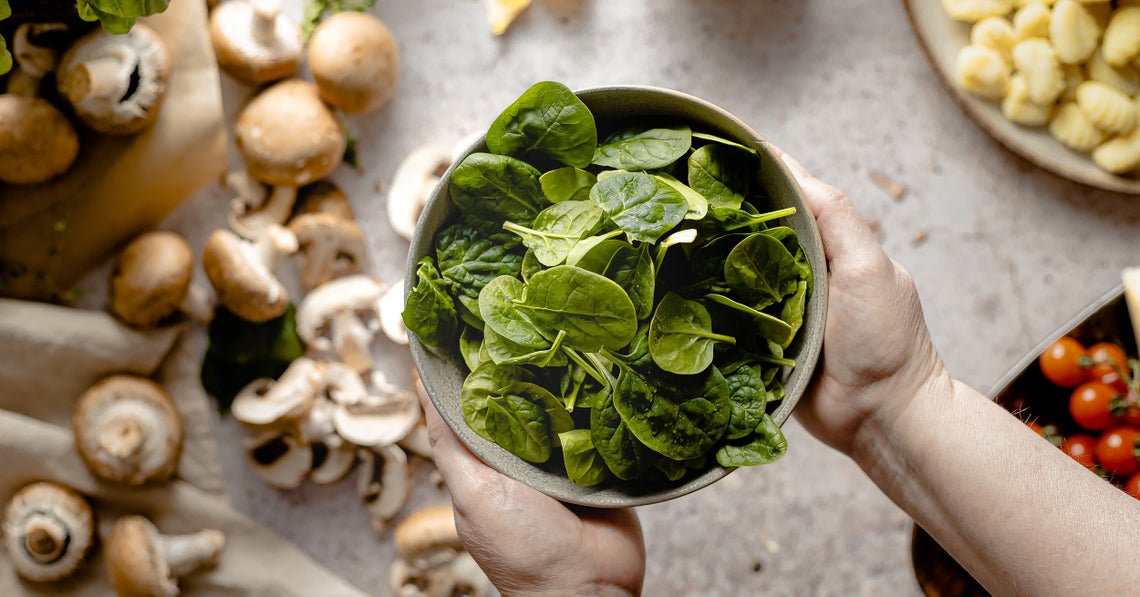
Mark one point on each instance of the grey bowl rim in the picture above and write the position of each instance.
(610, 496)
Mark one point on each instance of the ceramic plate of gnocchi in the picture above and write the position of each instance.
(1056, 81)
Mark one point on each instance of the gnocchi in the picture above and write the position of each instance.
(1072, 66)
(1122, 36)
(1106, 107)
(1074, 32)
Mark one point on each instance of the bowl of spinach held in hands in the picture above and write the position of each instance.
(615, 295)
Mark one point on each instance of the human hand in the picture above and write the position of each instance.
(528, 542)
(877, 351)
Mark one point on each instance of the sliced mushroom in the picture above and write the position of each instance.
(384, 483)
(142, 562)
(251, 220)
(269, 403)
(288, 136)
(342, 316)
(242, 272)
(380, 415)
(280, 458)
(128, 430)
(354, 61)
(412, 185)
(391, 314)
(324, 197)
(153, 279)
(330, 247)
(115, 83)
(432, 559)
(255, 42)
(48, 530)
(37, 142)
(333, 458)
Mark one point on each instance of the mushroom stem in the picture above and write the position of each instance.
(187, 553)
(122, 437)
(109, 76)
(265, 20)
(352, 339)
(45, 539)
(274, 210)
(275, 242)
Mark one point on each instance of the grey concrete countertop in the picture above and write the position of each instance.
(1001, 251)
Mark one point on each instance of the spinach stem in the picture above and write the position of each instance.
(775, 360)
(603, 368)
(585, 365)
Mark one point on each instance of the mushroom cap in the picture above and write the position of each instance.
(115, 83)
(288, 136)
(324, 197)
(151, 277)
(265, 402)
(37, 142)
(48, 530)
(241, 280)
(332, 247)
(134, 562)
(249, 56)
(128, 430)
(412, 184)
(427, 530)
(383, 483)
(377, 416)
(391, 311)
(354, 61)
(333, 458)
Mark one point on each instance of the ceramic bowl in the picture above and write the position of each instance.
(443, 372)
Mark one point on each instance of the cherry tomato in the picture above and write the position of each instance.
(1061, 362)
(1091, 405)
(1132, 486)
(1131, 414)
(1116, 451)
(1106, 362)
(1080, 447)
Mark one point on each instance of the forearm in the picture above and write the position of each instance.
(1018, 513)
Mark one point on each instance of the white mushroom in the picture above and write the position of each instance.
(128, 430)
(33, 60)
(242, 272)
(342, 316)
(330, 247)
(153, 278)
(384, 483)
(115, 83)
(333, 458)
(324, 197)
(48, 530)
(280, 458)
(288, 137)
(432, 559)
(255, 42)
(354, 61)
(391, 314)
(252, 215)
(269, 403)
(142, 562)
(380, 414)
(412, 185)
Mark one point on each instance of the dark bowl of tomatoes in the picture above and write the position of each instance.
(1078, 390)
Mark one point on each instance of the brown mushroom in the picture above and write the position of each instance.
(115, 83)
(432, 559)
(242, 272)
(37, 142)
(142, 562)
(330, 246)
(288, 136)
(254, 42)
(323, 197)
(354, 61)
(128, 430)
(34, 59)
(153, 279)
(48, 530)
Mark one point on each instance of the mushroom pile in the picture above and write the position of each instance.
(111, 84)
(49, 534)
(432, 559)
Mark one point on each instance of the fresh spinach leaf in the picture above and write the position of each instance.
(698, 204)
(567, 184)
(644, 207)
(721, 140)
(625, 456)
(474, 252)
(584, 465)
(471, 347)
(681, 339)
(631, 267)
(748, 397)
(644, 148)
(769, 326)
(497, 187)
(504, 351)
(547, 119)
(593, 310)
(761, 270)
(558, 228)
(429, 311)
(792, 313)
(765, 446)
(720, 174)
(498, 306)
(680, 417)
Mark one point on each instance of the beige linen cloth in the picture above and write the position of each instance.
(48, 356)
